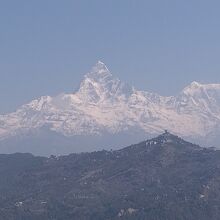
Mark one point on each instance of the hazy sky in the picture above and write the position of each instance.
(46, 46)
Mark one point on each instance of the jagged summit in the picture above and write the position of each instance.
(100, 65)
(99, 85)
(99, 72)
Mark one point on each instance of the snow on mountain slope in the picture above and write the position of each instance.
(104, 104)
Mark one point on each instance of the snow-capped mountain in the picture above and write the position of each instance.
(104, 105)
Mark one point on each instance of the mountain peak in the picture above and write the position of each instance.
(100, 63)
(195, 84)
(167, 134)
(100, 66)
(100, 85)
(99, 71)
(201, 90)
(192, 88)
(166, 137)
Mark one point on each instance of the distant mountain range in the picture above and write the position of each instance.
(162, 178)
(107, 112)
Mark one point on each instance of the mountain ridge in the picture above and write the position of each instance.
(104, 104)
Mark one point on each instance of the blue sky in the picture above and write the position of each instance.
(46, 46)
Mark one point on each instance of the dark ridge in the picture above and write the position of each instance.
(164, 178)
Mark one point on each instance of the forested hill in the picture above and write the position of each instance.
(165, 178)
